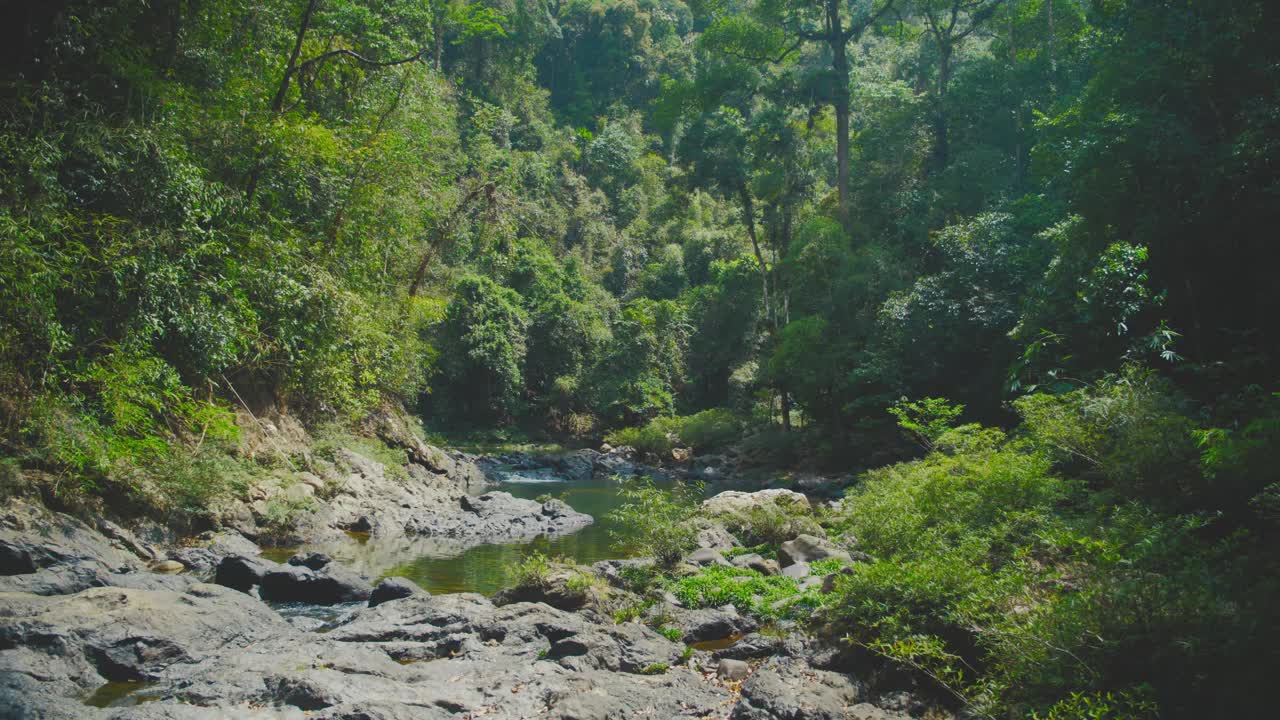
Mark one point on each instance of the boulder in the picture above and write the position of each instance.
(703, 557)
(732, 503)
(713, 535)
(32, 538)
(798, 570)
(732, 670)
(331, 585)
(713, 624)
(242, 573)
(757, 562)
(810, 548)
(788, 689)
(393, 588)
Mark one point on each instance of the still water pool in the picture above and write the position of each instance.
(441, 566)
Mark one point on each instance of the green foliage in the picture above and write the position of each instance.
(767, 597)
(655, 522)
(704, 431)
(926, 420)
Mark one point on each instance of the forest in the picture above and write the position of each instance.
(1003, 261)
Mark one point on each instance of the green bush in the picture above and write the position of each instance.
(655, 521)
(710, 429)
(704, 431)
(770, 597)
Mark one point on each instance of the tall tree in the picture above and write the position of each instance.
(783, 27)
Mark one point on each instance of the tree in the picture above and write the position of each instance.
(784, 27)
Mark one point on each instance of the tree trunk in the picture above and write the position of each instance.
(277, 102)
(437, 29)
(941, 128)
(838, 40)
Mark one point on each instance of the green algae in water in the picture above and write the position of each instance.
(120, 694)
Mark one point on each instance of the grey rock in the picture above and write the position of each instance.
(706, 556)
(242, 573)
(713, 624)
(733, 503)
(393, 588)
(331, 585)
(713, 535)
(732, 670)
(757, 562)
(32, 538)
(798, 570)
(809, 548)
(788, 689)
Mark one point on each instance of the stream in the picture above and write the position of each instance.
(439, 565)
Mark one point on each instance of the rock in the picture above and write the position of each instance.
(754, 646)
(167, 566)
(809, 548)
(311, 560)
(733, 503)
(713, 535)
(713, 624)
(310, 479)
(329, 586)
(788, 689)
(706, 556)
(732, 670)
(560, 588)
(393, 588)
(829, 582)
(68, 646)
(613, 571)
(578, 466)
(242, 573)
(798, 570)
(33, 538)
(210, 548)
(757, 562)
(681, 455)
(298, 493)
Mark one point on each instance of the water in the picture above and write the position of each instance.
(442, 566)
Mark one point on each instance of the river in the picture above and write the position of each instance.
(441, 566)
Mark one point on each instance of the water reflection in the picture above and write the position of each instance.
(440, 565)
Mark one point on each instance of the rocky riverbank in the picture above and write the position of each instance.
(100, 621)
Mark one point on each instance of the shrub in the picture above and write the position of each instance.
(710, 429)
(655, 521)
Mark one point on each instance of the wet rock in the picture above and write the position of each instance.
(393, 588)
(703, 557)
(732, 670)
(754, 646)
(331, 585)
(310, 560)
(789, 689)
(810, 548)
(757, 562)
